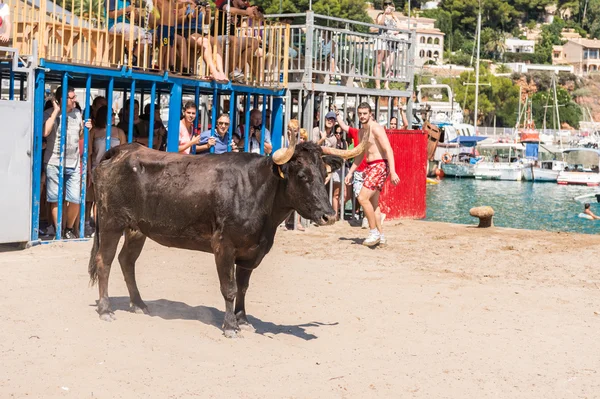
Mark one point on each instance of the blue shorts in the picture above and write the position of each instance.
(166, 35)
(72, 184)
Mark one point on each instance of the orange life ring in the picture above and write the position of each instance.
(447, 157)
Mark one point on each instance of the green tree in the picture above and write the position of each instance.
(87, 9)
(354, 10)
(550, 36)
(499, 100)
(532, 9)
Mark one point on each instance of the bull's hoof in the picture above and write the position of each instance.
(246, 327)
(231, 334)
(142, 309)
(109, 316)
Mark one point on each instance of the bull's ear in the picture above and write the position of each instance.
(281, 171)
(333, 161)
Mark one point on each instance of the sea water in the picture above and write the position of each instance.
(520, 205)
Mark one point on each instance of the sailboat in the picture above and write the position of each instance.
(545, 171)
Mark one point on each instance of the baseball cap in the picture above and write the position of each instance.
(330, 115)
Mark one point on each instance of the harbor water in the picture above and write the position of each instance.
(520, 205)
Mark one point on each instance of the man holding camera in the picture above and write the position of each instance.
(52, 157)
(256, 123)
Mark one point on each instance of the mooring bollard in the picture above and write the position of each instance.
(485, 215)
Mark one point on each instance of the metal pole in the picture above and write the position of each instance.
(231, 120)
(61, 159)
(215, 104)
(263, 127)
(131, 110)
(195, 128)
(475, 118)
(38, 128)
(151, 116)
(246, 131)
(84, 156)
(109, 100)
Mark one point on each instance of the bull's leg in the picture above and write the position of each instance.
(225, 268)
(104, 257)
(242, 277)
(134, 242)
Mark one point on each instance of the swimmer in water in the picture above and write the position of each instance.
(589, 212)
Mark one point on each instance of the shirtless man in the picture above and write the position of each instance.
(380, 164)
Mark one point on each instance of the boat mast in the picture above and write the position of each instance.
(477, 67)
(557, 114)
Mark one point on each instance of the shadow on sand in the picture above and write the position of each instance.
(173, 310)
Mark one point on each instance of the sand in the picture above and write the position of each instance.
(444, 311)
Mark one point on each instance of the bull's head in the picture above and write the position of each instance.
(304, 168)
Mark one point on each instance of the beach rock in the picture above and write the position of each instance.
(485, 215)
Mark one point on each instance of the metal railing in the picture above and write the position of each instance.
(322, 49)
(157, 36)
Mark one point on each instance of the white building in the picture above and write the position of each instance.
(430, 40)
(521, 67)
(520, 46)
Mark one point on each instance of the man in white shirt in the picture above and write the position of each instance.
(256, 123)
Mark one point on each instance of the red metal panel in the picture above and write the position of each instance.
(407, 199)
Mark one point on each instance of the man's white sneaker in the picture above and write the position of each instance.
(365, 223)
(382, 240)
(373, 239)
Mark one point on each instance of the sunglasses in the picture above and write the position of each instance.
(223, 123)
(72, 98)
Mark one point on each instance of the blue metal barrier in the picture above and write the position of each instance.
(61, 158)
(151, 116)
(134, 85)
(84, 156)
(246, 131)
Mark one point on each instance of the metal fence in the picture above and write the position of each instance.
(326, 49)
(191, 40)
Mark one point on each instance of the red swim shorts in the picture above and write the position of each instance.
(376, 174)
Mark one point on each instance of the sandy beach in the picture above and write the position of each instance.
(444, 311)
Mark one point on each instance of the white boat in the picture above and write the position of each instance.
(462, 162)
(458, 169)
(548, 171)
(503, 162)
(583, 167)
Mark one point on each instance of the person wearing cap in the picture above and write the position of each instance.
(326, 137)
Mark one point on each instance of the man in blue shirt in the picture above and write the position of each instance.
(219, 140)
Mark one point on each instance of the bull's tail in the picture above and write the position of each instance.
(93, 266)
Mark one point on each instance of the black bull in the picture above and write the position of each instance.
(229, 205)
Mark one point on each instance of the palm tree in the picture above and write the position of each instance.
(497, 44)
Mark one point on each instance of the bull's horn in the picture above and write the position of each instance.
(283, 155)
(353, 153)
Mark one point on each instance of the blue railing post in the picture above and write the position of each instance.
(61, 158)
(263, 127)
(151, 116)
(230, 131)
(197, 102)
(247, 124)
(213, 124)
(131, 108)
(278, 126)
(84, 164)
(38, 132)
(109, 100)
(174, 117)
